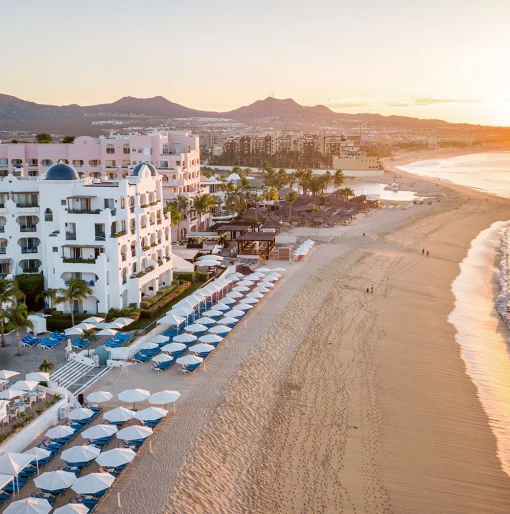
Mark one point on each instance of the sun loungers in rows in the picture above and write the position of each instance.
(117, 340)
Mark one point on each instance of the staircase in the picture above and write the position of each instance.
(76, 376)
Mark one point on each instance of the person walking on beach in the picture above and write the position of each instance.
(372, 290)
(423, 251)
(427, 253)
(368, 290)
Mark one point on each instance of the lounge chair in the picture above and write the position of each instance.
(140, 357)
(162, 366)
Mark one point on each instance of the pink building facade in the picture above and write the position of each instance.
(176, 156)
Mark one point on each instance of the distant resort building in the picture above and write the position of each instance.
(175, 155)
(113, 234)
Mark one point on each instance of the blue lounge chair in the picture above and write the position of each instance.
(162, 366)
(140, 357)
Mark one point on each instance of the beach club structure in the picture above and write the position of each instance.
(111, 232)
(175, 156)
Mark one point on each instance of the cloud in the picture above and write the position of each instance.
(375, 102)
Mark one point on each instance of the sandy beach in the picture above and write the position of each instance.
(328, 399)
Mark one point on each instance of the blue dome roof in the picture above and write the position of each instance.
(61, 171)
(140, 165)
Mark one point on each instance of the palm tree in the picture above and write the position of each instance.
(235, 202)
(203, 204)
(338, 179)
(9, 292)
(51, 295)
(291, 197)
(347, 192)
(181, 203)
(46, 366)
(76, 289)
(17, 316)
(89, 334)
(175, 214)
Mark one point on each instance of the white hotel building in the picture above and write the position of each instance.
(111, 233)
(175, 155)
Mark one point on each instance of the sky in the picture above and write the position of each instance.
(444, 59)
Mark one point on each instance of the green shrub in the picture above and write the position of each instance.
(163, 302)
(187, 276)
(201, 276)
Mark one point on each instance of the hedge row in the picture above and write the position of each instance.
(178, 290)
(145, 304)
(192, 276)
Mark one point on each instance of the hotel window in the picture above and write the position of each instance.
(110, 149)
(33, 162)
(4, 162)
(122, 202)
(77, 163)
(17, 162)
(94, 163)
(126, 149)
(110, 164)
(140, 150)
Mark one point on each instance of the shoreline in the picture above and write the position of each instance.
(333, 400)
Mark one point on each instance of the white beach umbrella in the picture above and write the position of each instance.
(174, 347)
(160, 339)
(123, 321)
(93, 483)
(164, 397)
(115, 326)
(184, 338)
(116, 457)
(13, 463)
(72, 508)
(213, 312)
(234, 278)
(162, 357)
(37, 453)
(247, 283)
(225, 301)
(85, 326)
(207, 264)
(271, 278)
(55, 480)
(195, 328)
(99, 397)
(7, 479)
(171, 319)
(212, 288)
(262, 270)
(255, 294)
(93, 319)
(80, 414)
(149, 346)
(38, 376)
(219, 329)
(205, 321)
(241, 289)
(268, 285)
(181, 311)
(99, 431)
(60, 431)
(189, 359)
(234, 294)
(234, 313)
(133, 395)
(107, 332)
(6, 374)
(29, 506)
(73, 331)
(255, 277)
(279, 270)
(250, 300)
(25, 385)
(80, 453)
(201, 294)
(119, 414)
(243, 306)
(227, 320)
(207, 257)
(151, 414)
(238, 275)
(11, 393)
(134, 433)
(260, 290)
(190, 301)
(201, 348)
(210, 338)
(273, 275)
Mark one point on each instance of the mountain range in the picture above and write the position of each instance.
(17, 114)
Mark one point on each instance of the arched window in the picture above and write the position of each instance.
(126, 149)
(48, 215)
(110, 149)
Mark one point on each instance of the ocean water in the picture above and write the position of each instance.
(482, 290)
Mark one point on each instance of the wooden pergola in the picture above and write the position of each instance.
(234, 230)
(256, 243)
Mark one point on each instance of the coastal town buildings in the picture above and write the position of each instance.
(113, 234)
(175, 155)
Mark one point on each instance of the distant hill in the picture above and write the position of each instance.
(17, 114)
